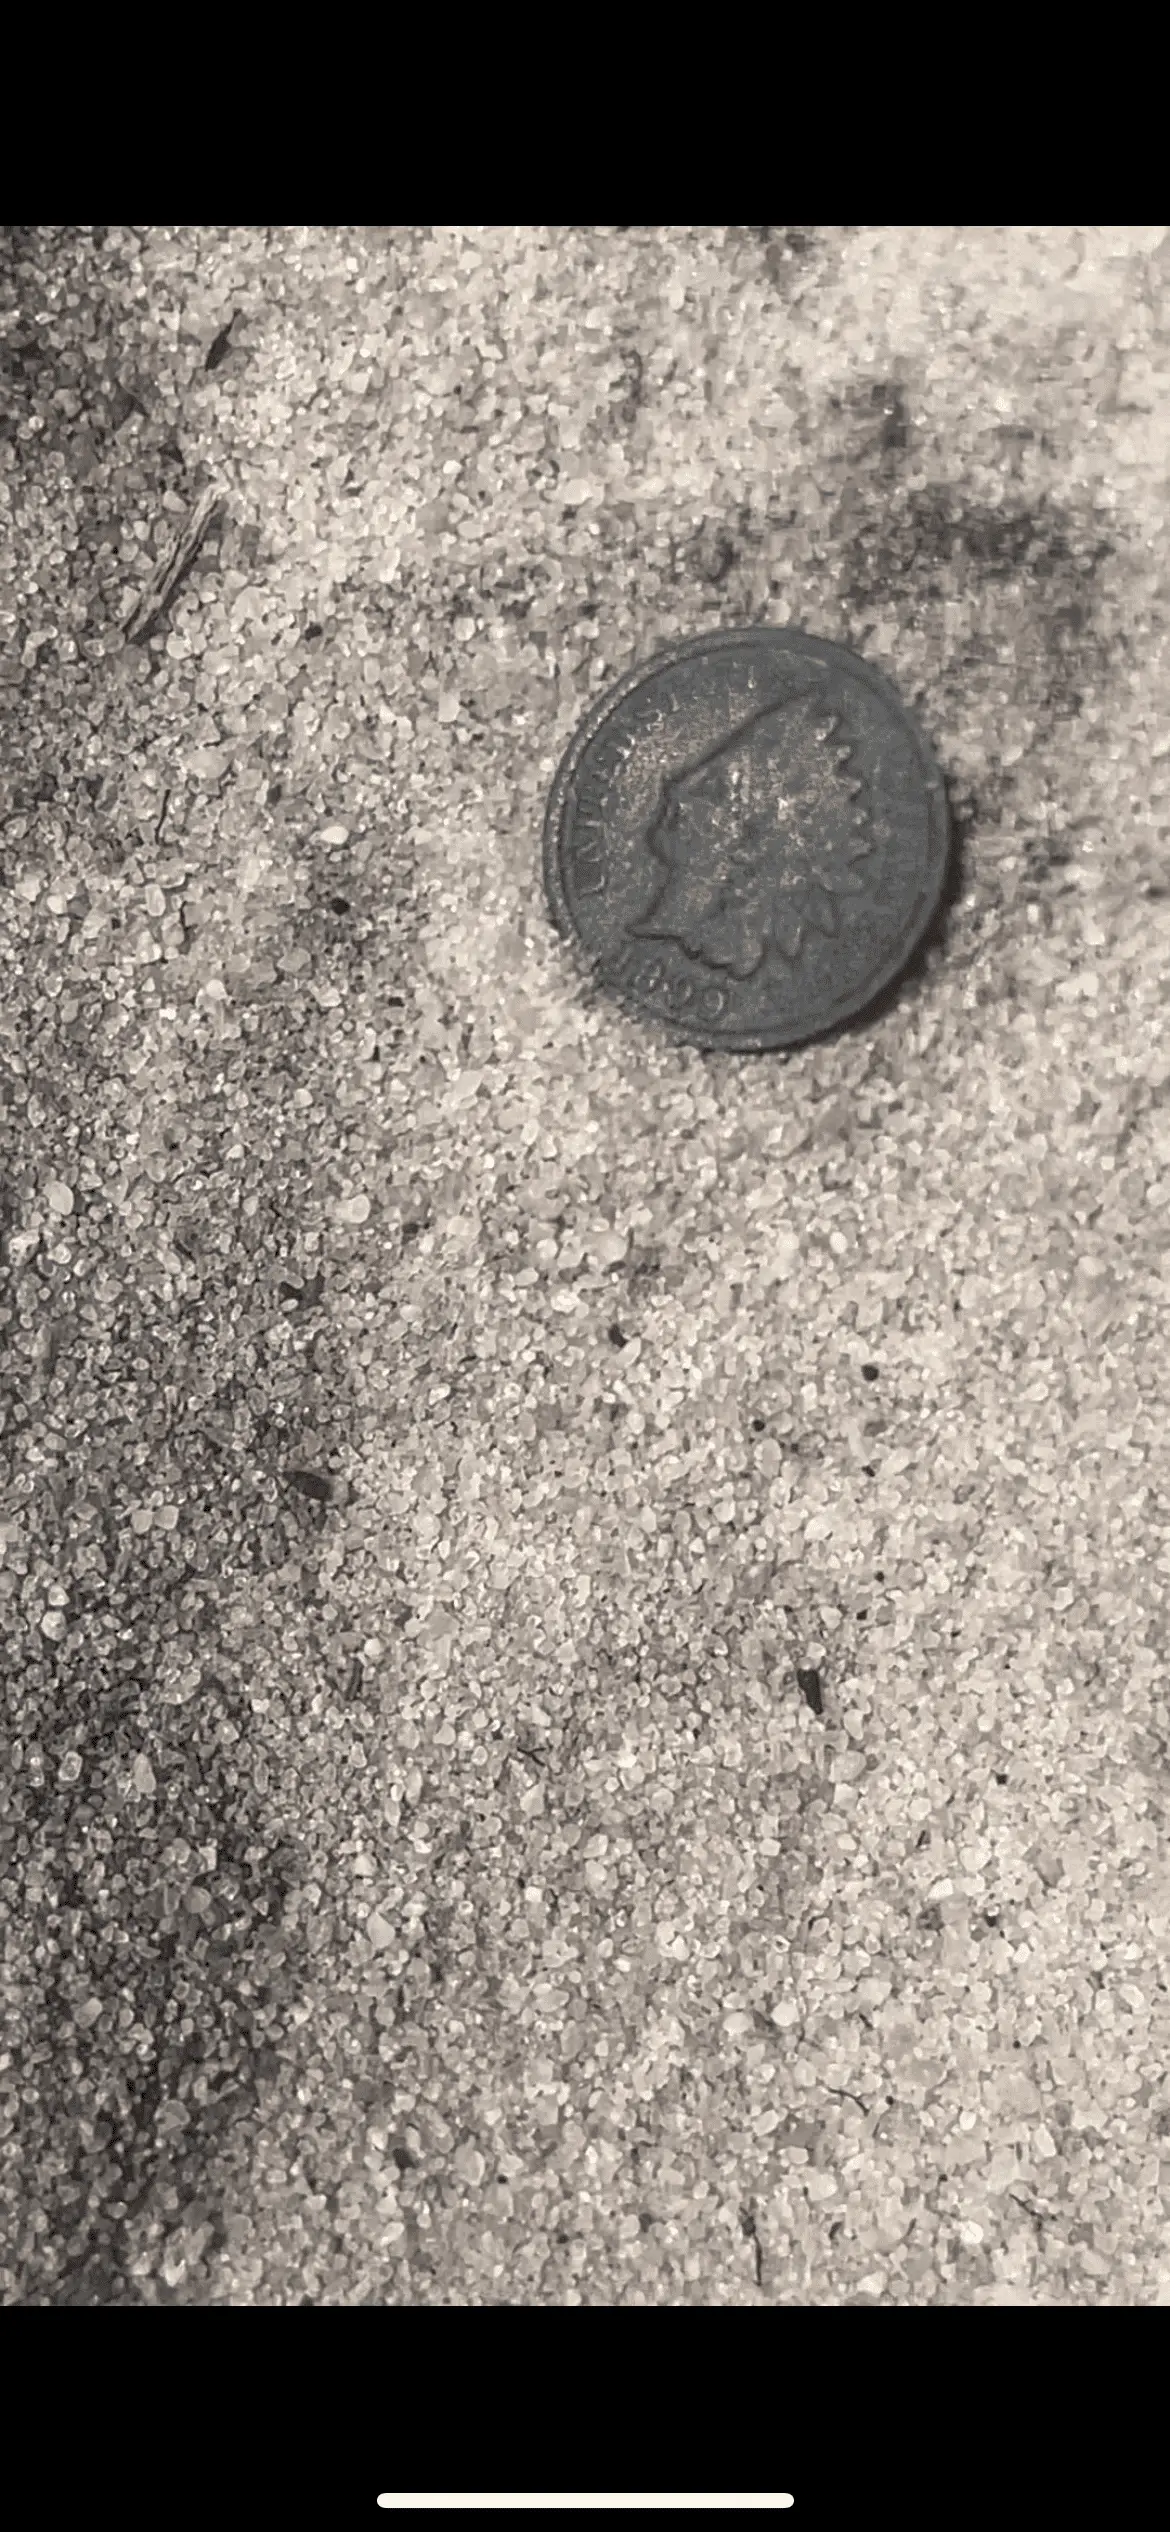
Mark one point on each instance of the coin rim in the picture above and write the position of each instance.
(849, 1006)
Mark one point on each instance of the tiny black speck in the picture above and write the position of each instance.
(869, 1371)
(307, 1295)
(313, 632)
(757, 1424)
(863, 1613)
(615, 1335)
(809, 1684)
(878, 1574)
(222, 345)
(1000, 1780)
(923, 1838)
(307, 1482)
(868, 1472)
(339, 905)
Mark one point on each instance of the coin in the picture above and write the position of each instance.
(747, 838)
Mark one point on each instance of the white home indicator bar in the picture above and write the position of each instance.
(752, 2503)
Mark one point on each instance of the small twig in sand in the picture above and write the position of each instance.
(165, 579)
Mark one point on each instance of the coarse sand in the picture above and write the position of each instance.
(583, 1622)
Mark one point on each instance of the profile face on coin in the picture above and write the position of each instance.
(747, 838)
